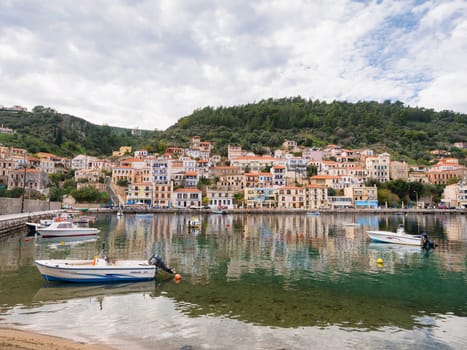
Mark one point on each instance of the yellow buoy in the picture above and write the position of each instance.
(379, 261)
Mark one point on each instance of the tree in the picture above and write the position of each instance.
(238, 199)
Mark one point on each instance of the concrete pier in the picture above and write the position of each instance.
(13, 222)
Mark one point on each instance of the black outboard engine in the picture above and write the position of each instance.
(427, 243)
(157, 261)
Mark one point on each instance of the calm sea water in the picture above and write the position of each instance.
(252, 282)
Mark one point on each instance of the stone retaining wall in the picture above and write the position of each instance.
(13, 205)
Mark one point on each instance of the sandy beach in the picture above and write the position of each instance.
(18, 339)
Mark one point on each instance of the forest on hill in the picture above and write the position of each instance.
(407, 133)
(45, 130)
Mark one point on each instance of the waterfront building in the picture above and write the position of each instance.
(363, 196)
(340, 202)
(139, 193)
(186, 197)
(220, 198)
(259, 197)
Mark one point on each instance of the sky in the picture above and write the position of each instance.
(147, 63)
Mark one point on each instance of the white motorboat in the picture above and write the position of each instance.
(101, 269)
(398, 237)
(66, 229)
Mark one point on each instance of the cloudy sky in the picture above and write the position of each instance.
(147, 63)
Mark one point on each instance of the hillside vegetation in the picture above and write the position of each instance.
(408, 133)
(45, 130)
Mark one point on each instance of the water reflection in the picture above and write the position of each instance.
(283, 271)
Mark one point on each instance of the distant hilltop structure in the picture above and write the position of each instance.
(13, 109)
(5, 130)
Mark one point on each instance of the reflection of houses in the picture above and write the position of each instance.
(186, 197)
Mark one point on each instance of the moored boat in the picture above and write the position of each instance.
(194, 223)
(399, 237)
(66, 229)
(101, 269)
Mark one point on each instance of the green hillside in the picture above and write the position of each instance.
(408, 133)
(46, 130)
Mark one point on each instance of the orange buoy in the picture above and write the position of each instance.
(178, 277)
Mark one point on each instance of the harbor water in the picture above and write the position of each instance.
(251, 282)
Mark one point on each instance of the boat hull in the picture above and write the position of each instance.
(44, 232)
(395, 238)
(86, 271)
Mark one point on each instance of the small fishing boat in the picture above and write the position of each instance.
(313, 213)
(101, 269)
(399, 237)
(194, 223)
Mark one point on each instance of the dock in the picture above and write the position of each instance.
(13, 222)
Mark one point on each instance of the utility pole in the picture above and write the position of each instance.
(24, 183)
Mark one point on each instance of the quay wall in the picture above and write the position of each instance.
(284, 211)
(13, 205)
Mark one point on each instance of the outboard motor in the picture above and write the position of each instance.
(157, 261)
(427, 243)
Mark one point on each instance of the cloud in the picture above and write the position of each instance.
(148, 63)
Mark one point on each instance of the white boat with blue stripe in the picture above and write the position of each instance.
(100, 270)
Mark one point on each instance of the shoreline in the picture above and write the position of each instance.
(16, 338)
